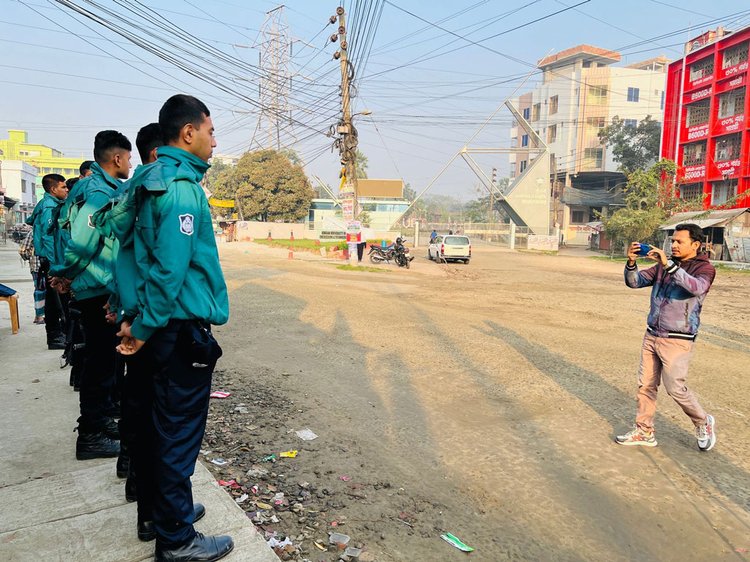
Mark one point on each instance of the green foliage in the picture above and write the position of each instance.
(633, 148)
(267, 186)
(360, 165)
(347, 267)
(365, 218)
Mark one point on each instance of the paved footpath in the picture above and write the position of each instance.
(53, 507)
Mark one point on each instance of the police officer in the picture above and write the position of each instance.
(181, 292)
(87, 270)
(55, 192)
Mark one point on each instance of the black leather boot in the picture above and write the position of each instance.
(147, 532)
(111, 429)
(199, 549)
(123, 461)
(96, 446)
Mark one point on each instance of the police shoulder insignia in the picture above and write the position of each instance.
(186, 224)
(91, 224)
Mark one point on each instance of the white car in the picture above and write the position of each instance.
(450, 247)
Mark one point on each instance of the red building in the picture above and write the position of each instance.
(706, 129)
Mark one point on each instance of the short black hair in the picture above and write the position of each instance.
(695, 231)
(178, 111)
(70, 182)
(148, 138)
(107, 141)
(51, 180)
(85, 166)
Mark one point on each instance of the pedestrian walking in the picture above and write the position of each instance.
(86, 269)
(26, 250)
(181, 292)
(679, 285)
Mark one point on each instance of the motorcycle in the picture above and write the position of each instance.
(396, 252)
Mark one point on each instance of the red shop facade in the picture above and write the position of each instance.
(706, 126)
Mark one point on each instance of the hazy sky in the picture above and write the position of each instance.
(65, 77)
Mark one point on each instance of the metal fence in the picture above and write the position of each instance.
(492, 233)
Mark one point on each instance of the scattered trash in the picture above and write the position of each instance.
(289, 454)
(243, 498)
(220, 462)
(338, 540)
(273, 542)
(741, 550)
(320, 546)
(203, 451)
(230, 483)
(241, 409)
(254, 489)
(269, 458)
(262, 505)
(256, 471)
(220, 394)
(352, 552)
(345, 478)
(306, 434)
(455, 541)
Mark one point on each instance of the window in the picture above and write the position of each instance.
(578, 217)
(691, 191)
(728, 147)
(634, 94)
(553, 104)
(586, 64)
(702, 68)
(552, 134)
(524, 163)
(734, 55)
(661, 106)
(597, 95)
(595, 124)
(593, 157)
(732, 103)
(694, 154)
(527, 113)
(23, 186)
(535, 111)
(723, 191)
(630, 122)
(525, 140)
(697, 113)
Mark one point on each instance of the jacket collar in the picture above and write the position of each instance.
(97, 170)
(189, 166)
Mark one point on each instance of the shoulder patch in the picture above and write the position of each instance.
(91, 224)
(186, 224)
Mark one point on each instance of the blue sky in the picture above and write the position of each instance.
(64, 78)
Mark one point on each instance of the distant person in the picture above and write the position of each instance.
(84, 170)
(55, 193)
(181, 292)
(679, 285)
(433, 236)
(450, 232)
(26, 250)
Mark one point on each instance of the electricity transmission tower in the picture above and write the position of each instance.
(275, 117)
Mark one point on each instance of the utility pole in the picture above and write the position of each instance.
(347, 141)
(491, 215)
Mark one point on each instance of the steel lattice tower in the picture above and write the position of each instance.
(274, 120)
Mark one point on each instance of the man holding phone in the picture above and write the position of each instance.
(679, 284)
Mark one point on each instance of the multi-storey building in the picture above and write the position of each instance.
(45, 159)
(705, 126)
(579, 94)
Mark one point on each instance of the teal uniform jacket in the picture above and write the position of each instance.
(42, 219)
(117, 219)
(89, 256)
(179, 274)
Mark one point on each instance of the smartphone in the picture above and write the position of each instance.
(644, 249)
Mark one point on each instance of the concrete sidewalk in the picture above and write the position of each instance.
(53, 507)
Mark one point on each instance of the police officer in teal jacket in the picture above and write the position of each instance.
(87, 271)
(55, 192)
(181, 292)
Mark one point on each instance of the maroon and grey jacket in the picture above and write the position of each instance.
(677, 294)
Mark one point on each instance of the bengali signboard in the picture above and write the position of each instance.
(695, 173)
(729, 167)
(733, 70)
(731, 124)
(347, 203)
(727, 85)
(695, 133)
(690, 97)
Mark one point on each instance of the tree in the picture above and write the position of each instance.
(633, 147)
(266, 185)
(649, 199)
(360, 165)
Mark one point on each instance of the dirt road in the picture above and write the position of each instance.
(481, 400)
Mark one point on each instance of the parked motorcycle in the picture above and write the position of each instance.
(378, 254)
(396, 252)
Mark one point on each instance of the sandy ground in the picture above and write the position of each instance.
(481, 400)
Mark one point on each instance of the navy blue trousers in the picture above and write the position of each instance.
(181, 389)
